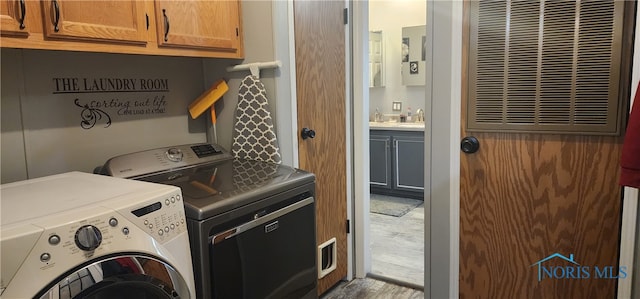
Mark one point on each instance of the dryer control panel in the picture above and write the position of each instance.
(157, 160)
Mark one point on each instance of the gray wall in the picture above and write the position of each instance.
(259, 47)
(42, 130)
(41, 124)
(13, 163)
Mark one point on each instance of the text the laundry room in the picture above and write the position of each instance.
(99, 85)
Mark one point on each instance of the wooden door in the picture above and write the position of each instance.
(320, 83)
(15, 17)
(199, 24)
(525, 197)
(116, 21)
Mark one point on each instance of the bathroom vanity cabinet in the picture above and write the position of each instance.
(397, 163)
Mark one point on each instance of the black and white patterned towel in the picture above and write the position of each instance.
(254, 137)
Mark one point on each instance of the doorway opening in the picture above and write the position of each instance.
(396, 141)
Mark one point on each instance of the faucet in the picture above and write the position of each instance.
(420, 115)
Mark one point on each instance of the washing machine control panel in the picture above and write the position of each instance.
(162, 219)
(88, 237)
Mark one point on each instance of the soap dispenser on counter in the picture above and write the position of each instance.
(377, 117)
(420, 115)
(408, 114)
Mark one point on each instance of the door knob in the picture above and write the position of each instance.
(307, 133)
(469, 145)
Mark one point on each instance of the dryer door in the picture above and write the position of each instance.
(120, 276)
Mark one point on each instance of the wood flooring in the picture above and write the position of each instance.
(397, 265)
(368, 288)
(397, 247)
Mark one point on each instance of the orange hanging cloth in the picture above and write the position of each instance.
(630, 162)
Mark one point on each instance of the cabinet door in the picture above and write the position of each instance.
(118, 21)
(409, 163)
(199, 24)
(380, 161)
(13, 17)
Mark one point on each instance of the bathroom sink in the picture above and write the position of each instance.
(397, 125)
(409, 124)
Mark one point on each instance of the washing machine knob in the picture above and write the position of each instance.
(88, 237)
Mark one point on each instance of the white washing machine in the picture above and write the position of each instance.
(80, 235)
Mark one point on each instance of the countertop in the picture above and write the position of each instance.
(397, 126)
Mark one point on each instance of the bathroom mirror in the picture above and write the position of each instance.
(414, 54)
(376, 74)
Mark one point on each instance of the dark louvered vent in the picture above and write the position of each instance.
(545, 66)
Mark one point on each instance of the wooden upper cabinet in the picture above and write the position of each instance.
(15, 17)
(114, 21)
(195, 28)
(199, 24)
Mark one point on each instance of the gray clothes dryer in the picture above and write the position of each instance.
(251, 224)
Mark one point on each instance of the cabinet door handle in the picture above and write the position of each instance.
(166, 25)
(56, 15)
(23, 13)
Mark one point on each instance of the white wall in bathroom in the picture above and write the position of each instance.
(389, 16)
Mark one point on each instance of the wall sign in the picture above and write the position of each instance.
(101, 98)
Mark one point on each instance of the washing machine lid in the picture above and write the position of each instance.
(211, 189)
(31, 200)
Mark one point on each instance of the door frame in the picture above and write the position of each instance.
(358, 206)
(442, 204)
(631, 198)
(442, 165)
(443, 98)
